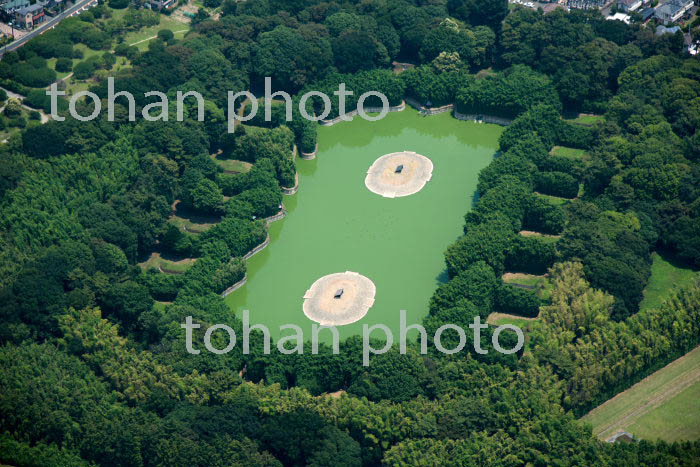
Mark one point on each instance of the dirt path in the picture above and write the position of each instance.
(667, 391)
(153, 37)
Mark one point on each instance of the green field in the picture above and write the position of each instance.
(233, 165)
(499, 319)
(587, 119)
(665, 405)
(141, 38)
(666, 276)
(555, 200)
(571, 153)
(169, 266)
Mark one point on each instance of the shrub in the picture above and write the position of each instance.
(84, 70)
(118, 4)
(517, 301)
(556, 184)
(544, 217)
(64, 65)
(166, 35)
(34, 74)
(530, 255)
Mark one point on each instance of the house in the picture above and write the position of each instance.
(8, 8)
(673, 10)
(586, 4)
(647, 13)
(628, 5)
(29, 17)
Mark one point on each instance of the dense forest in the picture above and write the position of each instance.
(93, 361)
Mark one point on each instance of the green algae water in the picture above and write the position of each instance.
(335, 224)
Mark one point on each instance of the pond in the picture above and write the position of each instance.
(335, 224)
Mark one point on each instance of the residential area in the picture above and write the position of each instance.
(669, 16)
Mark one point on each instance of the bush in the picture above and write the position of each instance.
(556, 184)
(517, 301)
(3, 95)
(37, 99)
(34, 74)
(64, 65)
(34, 115)
(108, 60)
(121, 49)
(530, 255)
(118, 4)
(166, 35)
(544, 217)
(84, 70)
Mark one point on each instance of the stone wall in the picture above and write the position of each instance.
(483, 118)
(351, 114)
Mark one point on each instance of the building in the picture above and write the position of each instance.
(8, 8)
(672, 11)
(620, 17)
(628, 5)
(29, 17)
(647, 13)
(162, 4)
(586, 4)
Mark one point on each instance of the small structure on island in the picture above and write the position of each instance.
(325, 307)
(399, 174)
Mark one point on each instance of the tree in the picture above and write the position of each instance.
(64, 65)
(166, 35)
(207, 197)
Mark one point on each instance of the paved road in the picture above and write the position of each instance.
(48, 25)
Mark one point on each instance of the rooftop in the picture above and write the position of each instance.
(30, 9)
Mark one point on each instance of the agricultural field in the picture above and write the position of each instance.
(665, 405)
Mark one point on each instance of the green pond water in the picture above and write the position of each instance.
(336, 224)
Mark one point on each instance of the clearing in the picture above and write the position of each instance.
(666, 276)
(664, 405)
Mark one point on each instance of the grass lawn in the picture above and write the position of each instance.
(523, 279)
(499, 319)
(187, 225)
(51, 63)
(169, 266)
(542, 285)
(662, 406)
(676, 420)
(571, 153)
(141, 38)
(666, 276)
(555, 200)
(587, 119)
(233, 165)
